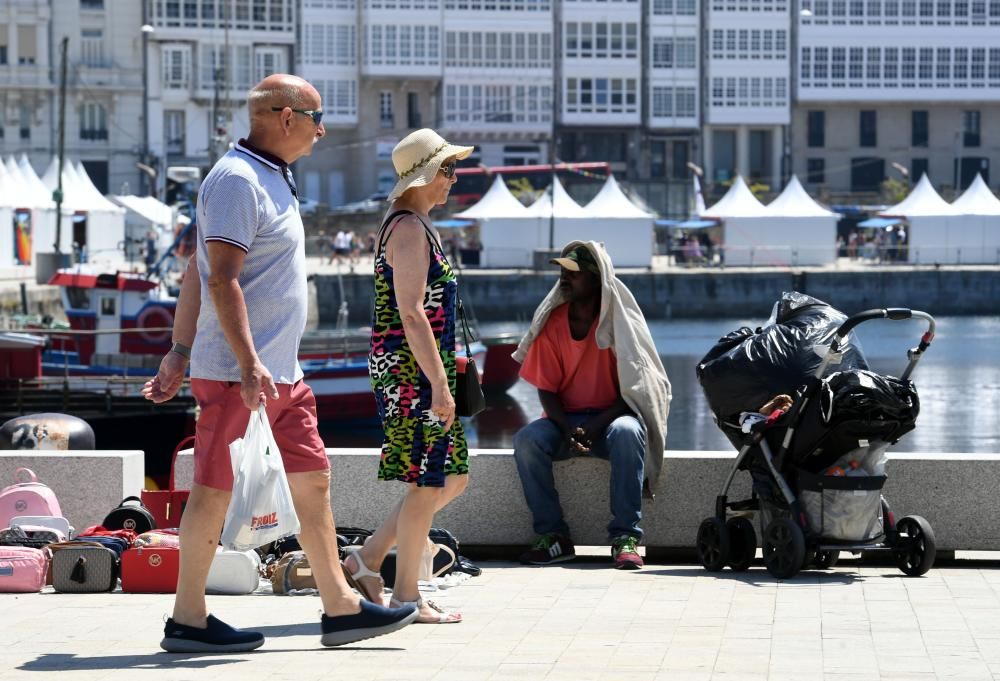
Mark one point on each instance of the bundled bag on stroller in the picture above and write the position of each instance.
(818, 465)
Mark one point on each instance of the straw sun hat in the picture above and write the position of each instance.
(418, 157)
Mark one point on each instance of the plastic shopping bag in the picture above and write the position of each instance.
(261, 508)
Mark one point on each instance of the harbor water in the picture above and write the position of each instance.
(958, 381)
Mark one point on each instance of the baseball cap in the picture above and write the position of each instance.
(580, 258)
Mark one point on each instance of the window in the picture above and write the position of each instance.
(3, 45)
(679, 157)
(867, 174)
(868, 128)
(385, 110)
(815, 170)
(173, 131)
(92, 47)
(91, 4)
(93, 122)
(970, 128)
(657, 158)
(413, 110)
(176, 60)
(268, 60)
(919, 128)
(27, 50)
(24, 122)
(816, 128)
(918, 168)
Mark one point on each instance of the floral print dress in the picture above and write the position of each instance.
(416, 448)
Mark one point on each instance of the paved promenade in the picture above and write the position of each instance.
(578, 622)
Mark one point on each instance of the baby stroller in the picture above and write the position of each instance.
(817, 466)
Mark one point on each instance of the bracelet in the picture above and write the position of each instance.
(182, 350)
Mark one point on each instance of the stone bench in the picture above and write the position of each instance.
(955, 492)
(87, 483)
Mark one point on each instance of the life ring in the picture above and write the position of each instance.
(155, 317)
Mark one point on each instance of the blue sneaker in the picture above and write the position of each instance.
(373, 620)
(216, 637)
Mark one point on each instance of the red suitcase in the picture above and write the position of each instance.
(150, 570)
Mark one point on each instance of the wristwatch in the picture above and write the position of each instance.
(182, 350)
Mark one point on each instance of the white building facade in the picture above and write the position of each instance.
(897, 88)
(203, 57)
(103, 125)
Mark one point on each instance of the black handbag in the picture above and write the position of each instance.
(136, 518)
(469, 397)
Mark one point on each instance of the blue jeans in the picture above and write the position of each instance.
(541, 442)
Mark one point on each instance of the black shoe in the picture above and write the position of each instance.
(373, 620)
(216, 637)
(549, 549)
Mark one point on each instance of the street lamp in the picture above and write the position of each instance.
(146, 30)
(903, 170)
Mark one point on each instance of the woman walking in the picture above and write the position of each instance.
(412, 367)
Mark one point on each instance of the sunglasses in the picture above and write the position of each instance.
(449, 170)
(317, 116)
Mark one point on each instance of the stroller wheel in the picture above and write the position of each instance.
(742, 543)
(916, 546)
(784, 548)
(713, 544)
(824, 560)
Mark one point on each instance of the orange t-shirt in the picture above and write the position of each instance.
(584, 376)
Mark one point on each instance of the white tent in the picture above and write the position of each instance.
(747, 237)
(976, 231)
(929, 217)
(30, 204)
(7, 201)
(625, 229)
(802, 231)
(143, 215)
(507, 234)
(97, 224)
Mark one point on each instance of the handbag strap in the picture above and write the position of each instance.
(173, 459)
(467, 336)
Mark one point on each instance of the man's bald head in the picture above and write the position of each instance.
(280, 89)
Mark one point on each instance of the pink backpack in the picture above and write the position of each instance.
(27, 498)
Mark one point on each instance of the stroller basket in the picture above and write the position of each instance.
(842, 508)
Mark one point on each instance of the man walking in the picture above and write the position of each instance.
(605, 393)
(239, 319)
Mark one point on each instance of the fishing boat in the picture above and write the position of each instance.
(120, 326)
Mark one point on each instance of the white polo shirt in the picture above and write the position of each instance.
(248, 201)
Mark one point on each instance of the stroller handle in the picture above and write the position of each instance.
(893, 313)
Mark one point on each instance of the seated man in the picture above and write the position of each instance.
(605, 393)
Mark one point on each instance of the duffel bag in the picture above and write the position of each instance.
(127, 516)
(84, 567)
(234, 572)
(150, 570)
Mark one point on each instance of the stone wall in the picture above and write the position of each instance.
(511, 295)
(955, 492)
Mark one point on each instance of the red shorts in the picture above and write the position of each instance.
(224, 418)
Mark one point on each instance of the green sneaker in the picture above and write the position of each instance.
(625, 553)
(549, 549)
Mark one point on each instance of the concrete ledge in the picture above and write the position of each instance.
(955, 492)
(87, 483)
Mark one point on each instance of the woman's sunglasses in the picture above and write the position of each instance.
(449, 169)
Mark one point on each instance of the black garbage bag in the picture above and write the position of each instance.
(748, 367)
(853, 409)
